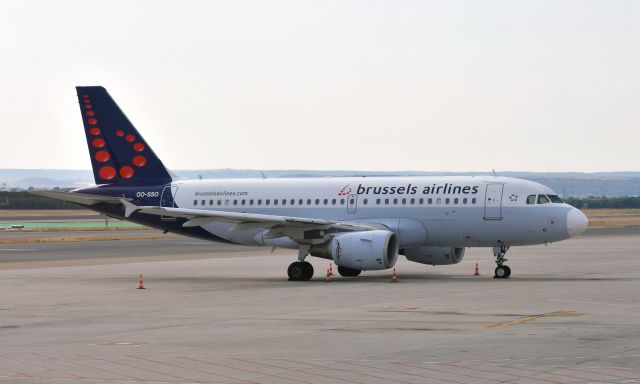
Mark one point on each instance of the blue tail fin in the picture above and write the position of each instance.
(119, 154)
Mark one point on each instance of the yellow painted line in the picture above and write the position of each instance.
(532, 318)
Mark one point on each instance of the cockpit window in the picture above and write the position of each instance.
(531, 199)
(543, 199)
(555, 199)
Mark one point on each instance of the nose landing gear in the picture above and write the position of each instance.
(502, 271)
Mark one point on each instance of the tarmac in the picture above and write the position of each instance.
(213, 313)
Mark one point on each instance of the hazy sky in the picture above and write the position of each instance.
(370, 85)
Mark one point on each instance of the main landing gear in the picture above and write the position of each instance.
(502, 271)
(348, 272)
(301, 270)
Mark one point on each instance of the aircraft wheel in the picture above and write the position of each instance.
(348, 272)
(300, 271)
(501, 272)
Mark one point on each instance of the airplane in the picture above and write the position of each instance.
(360, 223)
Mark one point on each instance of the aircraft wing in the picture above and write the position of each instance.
(278, 226)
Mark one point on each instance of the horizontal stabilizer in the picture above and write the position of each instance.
(78, 198)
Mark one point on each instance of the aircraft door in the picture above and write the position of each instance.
(352, 203)
(167, 200)
(493, 202)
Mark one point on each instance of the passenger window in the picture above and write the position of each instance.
(378, 201)
(308, 201)
(555, 199)
(395, 201)
(203, 202)
(243, 201)
(275, 201)
(219, 202)
(531, 199)
(455, 201)
(266, 202)
(365, 201)
(473, 201)
(421, 201)
(543, 199)
(235, 202)
(326, 201)
(438, 201)
(404, 201)
(430, 201)
(226, 202)
(293, 202)
(259, 201)
(317, 201)
(464, 201)
(341, 201)
(413, 201)
(300, 202)
(447, 200)
(333, 201)
(195, 202)
(210, 202)
(251, 202)
(386, 201)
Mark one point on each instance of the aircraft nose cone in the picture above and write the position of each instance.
(576, 222)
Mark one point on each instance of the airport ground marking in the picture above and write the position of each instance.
(532, 318)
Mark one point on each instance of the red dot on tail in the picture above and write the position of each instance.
(140, 161)
(107, 172)
(87, 101)
(95, 131)
(119, 133)
(88, 106)
(85, 96)
(130, 138)
(92, 121)
(138, 147)
(98, 143)
(90, 113)
(126, 172)
(102, 156)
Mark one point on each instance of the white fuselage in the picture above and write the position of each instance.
(436, 211)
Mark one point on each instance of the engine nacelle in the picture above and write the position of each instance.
(434, 255)
(367, 250)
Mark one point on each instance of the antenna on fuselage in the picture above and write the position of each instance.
(263, 175)
(494, 172)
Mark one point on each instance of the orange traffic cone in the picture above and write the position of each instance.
(140, 284)
(477, 272)
(331, 269)
(329, 274)
(394, 276)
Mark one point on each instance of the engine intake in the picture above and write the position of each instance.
(367, 250)
(434, 255)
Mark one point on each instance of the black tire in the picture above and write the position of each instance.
(348, 272)
(300, 271)
(501, 272)
(508, 271)
(308, 270)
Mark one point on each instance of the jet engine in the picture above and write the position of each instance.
(434, 255)
(366, 250)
